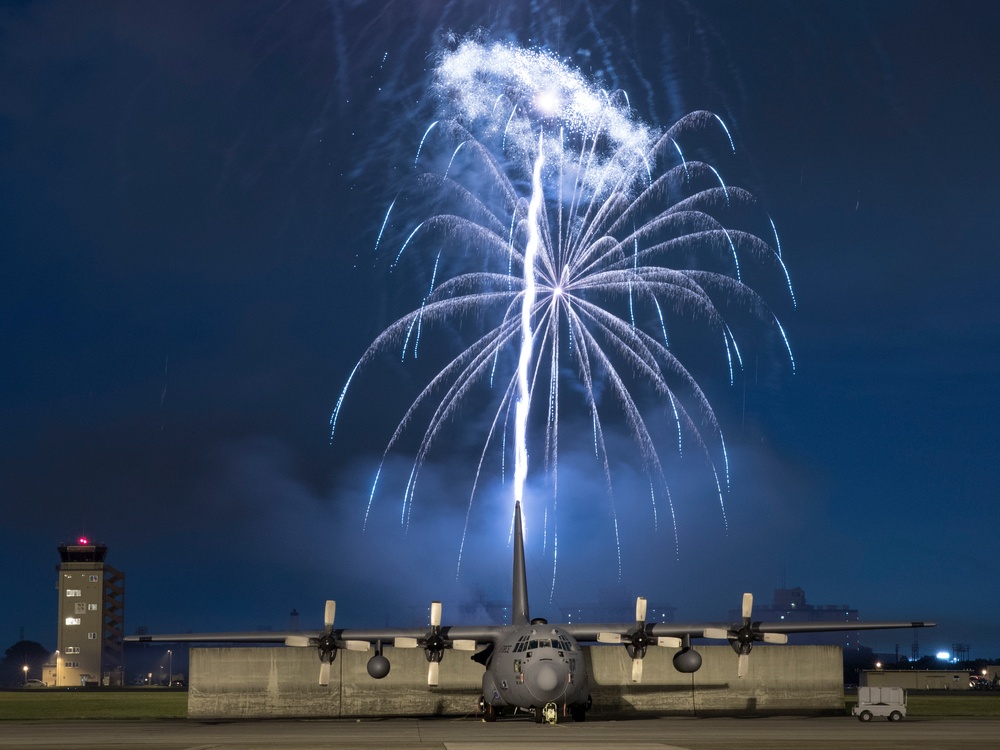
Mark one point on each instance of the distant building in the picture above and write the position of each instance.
(91, 616)
(917, 679)
(789, 605)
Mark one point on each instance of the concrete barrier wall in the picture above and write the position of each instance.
(781, 679)
(283, 682)
(260, 682)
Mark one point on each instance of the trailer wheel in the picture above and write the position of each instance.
(865, 716)
(895, 716)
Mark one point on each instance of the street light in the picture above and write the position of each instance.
(170, 667)
(25, 670)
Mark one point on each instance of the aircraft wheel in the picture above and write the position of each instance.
(578, 712)
(489, 712)
(865, 716)
(895, 716)
(539, 715)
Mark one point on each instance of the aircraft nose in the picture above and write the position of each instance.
(548, 681)
(547, 678)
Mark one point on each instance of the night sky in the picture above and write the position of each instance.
(190, 195)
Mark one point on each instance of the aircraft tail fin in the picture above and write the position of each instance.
(519, 594)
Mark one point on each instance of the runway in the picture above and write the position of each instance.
(772, 733)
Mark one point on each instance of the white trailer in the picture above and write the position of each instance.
(889, 702)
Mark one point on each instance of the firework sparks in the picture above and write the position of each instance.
(576, 238)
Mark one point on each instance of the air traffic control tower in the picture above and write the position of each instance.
(91, 616)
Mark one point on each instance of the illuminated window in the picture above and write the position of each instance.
(72, 620)
(93, 579)
(91, 636)
(74, 592)
(72, 649)
(91, 607)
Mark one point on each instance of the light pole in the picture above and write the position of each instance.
(25, 670)
(170, 667)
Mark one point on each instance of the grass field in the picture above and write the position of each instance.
(93, 704)
(169, 704)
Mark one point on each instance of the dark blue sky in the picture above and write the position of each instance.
(189, 199)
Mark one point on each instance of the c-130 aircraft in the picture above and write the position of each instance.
(530, 664)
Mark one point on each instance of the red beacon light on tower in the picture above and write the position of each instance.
(83, 540)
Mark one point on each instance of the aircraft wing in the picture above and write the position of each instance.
(263, 636)
(478, 634)
(827, 627)
(638, 636)
(434, 640)
(597, 632)
(741, 634)
(327, 642)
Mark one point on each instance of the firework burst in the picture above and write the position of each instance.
(574, 242)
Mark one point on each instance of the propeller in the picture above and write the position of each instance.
(637, 640)
(326, 643)
(743, 637)
(434, 645)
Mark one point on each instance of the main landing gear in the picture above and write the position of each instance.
(488, 710)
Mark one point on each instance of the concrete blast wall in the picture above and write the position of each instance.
(283, 682)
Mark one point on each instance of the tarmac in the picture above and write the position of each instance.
(673, 733)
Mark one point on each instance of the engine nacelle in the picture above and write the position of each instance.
(687, 660)
(378, 666)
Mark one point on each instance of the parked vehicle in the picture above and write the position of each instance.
(889, 702)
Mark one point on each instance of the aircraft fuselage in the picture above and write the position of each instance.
(533, 666)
